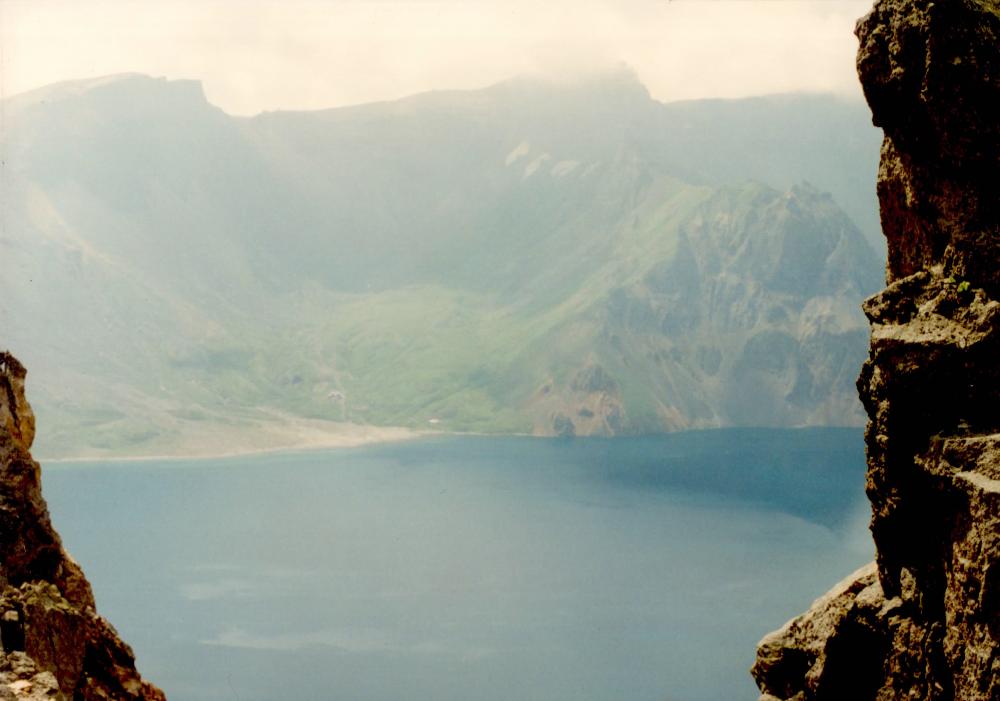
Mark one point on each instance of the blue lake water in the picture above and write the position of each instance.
(468, 568)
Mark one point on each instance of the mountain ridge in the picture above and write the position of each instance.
(407, 266)
(621, 79)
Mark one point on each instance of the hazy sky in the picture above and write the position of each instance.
(255, 55)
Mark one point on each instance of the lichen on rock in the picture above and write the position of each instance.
(53, 644)
(923, 621)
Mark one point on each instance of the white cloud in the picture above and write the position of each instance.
(256, 55)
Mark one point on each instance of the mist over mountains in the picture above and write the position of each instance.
(536, 257)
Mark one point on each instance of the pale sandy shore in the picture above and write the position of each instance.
(195, 441)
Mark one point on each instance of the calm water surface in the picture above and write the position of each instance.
(472, 569)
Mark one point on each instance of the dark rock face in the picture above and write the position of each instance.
(931, 74)
(923, 622)
(53, 645)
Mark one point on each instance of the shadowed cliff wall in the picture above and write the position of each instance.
(923, 621)
(53, 645)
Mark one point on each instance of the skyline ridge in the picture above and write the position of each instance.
(580, 82)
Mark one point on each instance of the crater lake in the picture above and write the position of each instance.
(458, 568)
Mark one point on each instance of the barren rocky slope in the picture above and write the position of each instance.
(923, 621)
(53, 645)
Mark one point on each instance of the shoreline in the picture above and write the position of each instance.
(369, 436)
(366, 436)
(250, 452)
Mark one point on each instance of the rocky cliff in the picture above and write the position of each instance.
(53, 645)
(923, 621)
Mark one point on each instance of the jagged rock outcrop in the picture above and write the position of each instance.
(53, 645)
(923, 621)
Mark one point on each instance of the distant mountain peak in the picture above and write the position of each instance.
(618, 81)
(126, 85)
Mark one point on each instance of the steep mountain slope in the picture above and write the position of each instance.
(537, 257)
(780, 140)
